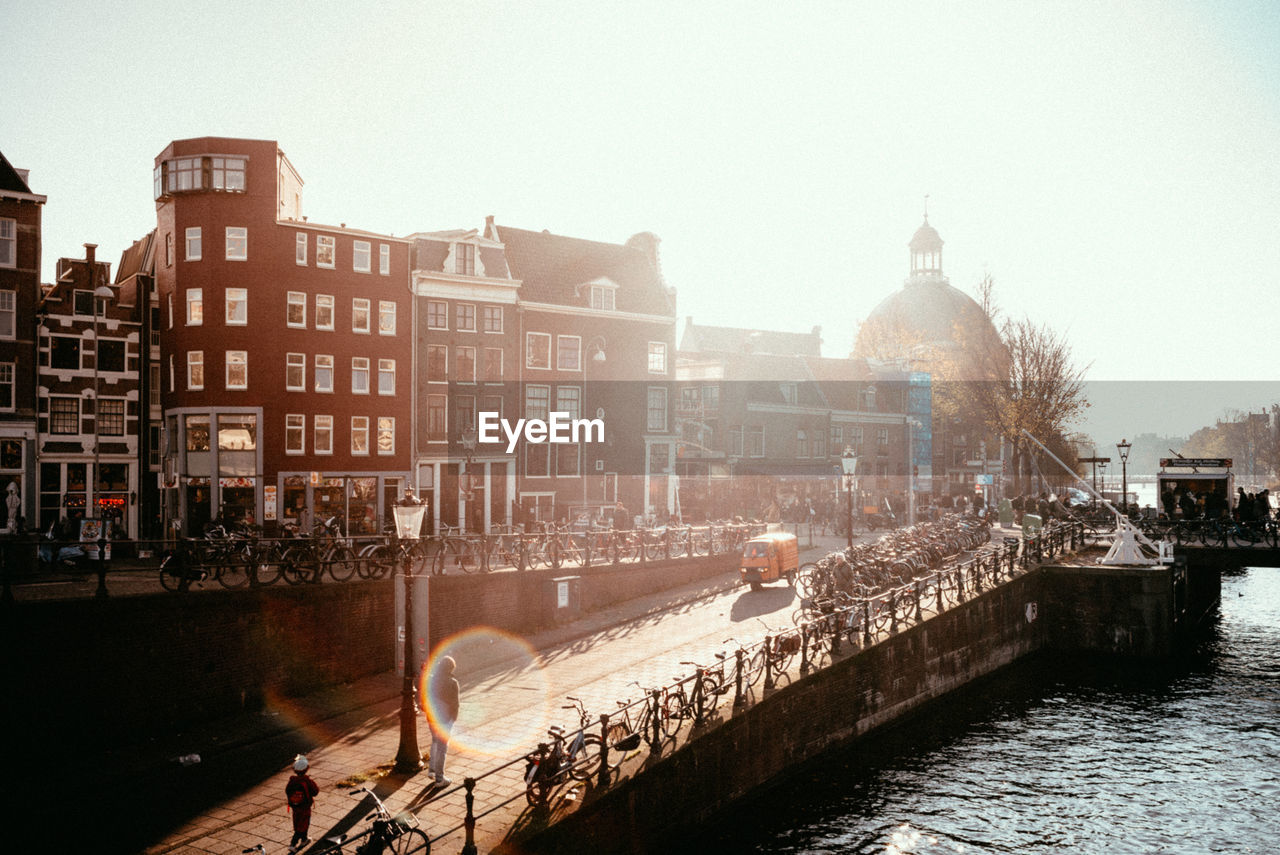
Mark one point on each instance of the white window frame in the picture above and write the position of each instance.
(361, 256)
(577, 352)
(237, 243)
(237, 358)
(359, 367)
(299, 299)
(8, 315)
(458, 363)
(325, 302)
(61, 400)
(387, 371)
(9, 242)
(300, 249)
(195, 360)
(649, 409)
(501, 356)
(603, 297)
(323, 363)
(384, 259)
(443, 313)
(194, 244)
(359, 306)
(298, 362)
(195, 300)
(359, 427)
(386, 427)
(386, 317)
(8, 375)
(658, 349)
(459, 308)
(322, 434)
(326, 245)
(444, 368)
(237, 297)
(295, 425)
(528, 354)
(484, 319)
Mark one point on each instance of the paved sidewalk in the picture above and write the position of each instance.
(352, 731)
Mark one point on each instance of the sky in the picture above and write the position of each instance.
(1114, 167)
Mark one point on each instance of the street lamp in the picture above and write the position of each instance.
(911, 425)
(850, 464)
(408, 514)
(1124, 445)
(100, 295)
(598, 357)
(467, 493)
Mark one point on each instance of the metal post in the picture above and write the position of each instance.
(408, 755)
(738, 699)
(469, 823)
(768, 662)
(101, 593)
(604, 750)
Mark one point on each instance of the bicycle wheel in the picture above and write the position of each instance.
(378, 563)
(342, 563)
(268, 566)
(298, 565)
(753, 668)
(586, 763)
(173, 572)
(539, 783)
(624, 743)
(233, 570)
(413, 841)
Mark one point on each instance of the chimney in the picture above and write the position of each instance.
(647, 243)
(89, 254)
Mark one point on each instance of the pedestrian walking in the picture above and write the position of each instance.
(443, 703)
(300, 794)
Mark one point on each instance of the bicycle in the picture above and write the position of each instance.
(398, 834)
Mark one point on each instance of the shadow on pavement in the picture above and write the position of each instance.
(753, 604)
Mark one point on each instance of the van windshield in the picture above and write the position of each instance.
(757, 550)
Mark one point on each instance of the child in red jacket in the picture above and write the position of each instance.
(301, 793)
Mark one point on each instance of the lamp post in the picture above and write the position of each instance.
(1123, 446)
(911, 424)
(467, 493)
(100, 294)
(597, 356)
(850, 464)
(408, 515)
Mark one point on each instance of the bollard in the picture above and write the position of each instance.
(101, 593)
(604, 750)
(469, 823)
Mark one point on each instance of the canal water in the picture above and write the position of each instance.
(1056, 755)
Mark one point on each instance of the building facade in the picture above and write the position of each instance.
(286, 347)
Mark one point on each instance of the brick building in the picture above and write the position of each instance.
(286, 346)
(20, 247)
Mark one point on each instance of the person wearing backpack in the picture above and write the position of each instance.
(300, 793)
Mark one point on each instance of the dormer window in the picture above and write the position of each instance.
(602, 297)
(464, 259)
(187, 174)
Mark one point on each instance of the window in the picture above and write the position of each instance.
(295, 372)
(386, 433)
(359, 434)
(195, 306)
(111, 354)
(193, 244)
(437, 315)
(882, 436)
(324, 312)
(602, 297)
(789, 393)
(710, 398)
(493, 365)
(8, 314)
(324, 372)
(8, 242)
(735, 441)
(324, 251)
(437, 363)
(237, 243)
(82, 303)
(537, 402)
(537, 350)
(657, 411)
(110, 417)
(567, 457)
(6, 385)
(237, 369)
(755, 441)
(491, 404)
(184, 174)
(491, 317)
(360, 375)
(64, 415)
(64, 353)
(296, 310)
(802, 444)
(359, 314)
(168, 249)
(386, 376)
(869, 398)
(464, 367)
(197, 428)
(464, 412)
(569, 352)
(657, 357)
(360, 262)
(300, 248)
(855, 436)
(837, 438)
(569, 400)
(195, 369)
(466, 317)
(170, 303)
(228, 173)
(237, 307)
(237, 432)
(324, 434)
(295, 434)
(464, 259)
(819, 443)
(386, 317)
(384, 261)
(437, 426)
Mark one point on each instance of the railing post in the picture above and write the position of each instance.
(768, 662)
(657, 720)
(522, 553)
(101, 593)
(666, 544)
(866, 623)
(586, 548)
(604, 750)
(469, 823)
(804, 648)
(738, 657)
(954, 573)
(893, 610)
(919, 611)
(837, 629)
(555, 551)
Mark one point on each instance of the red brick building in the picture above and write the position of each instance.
(20, 213)
(286, 346)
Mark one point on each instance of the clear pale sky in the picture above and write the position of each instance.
(1114, 166)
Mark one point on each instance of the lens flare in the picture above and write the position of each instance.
(485, 657)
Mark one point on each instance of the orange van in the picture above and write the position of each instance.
(770, 557)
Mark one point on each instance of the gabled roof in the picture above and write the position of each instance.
(554, 269)
(10, 179)
(138, 258)
(700, 338)
(430, 250)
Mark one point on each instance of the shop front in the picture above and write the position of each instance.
(359, 503)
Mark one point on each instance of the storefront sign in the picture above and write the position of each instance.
(269, 502)
(1196, 462)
